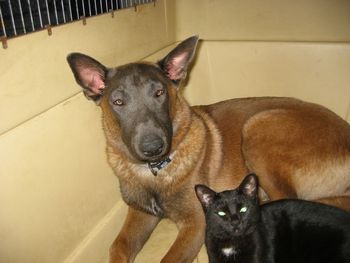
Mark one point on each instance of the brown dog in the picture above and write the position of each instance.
(160, 147)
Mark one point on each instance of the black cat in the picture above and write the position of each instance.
(295, 231)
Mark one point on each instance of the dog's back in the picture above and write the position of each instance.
(294, 146)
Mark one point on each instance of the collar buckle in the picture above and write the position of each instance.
(155, 167)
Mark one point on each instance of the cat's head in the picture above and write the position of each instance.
(233, 211)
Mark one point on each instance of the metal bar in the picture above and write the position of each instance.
(116, 4)
(31, 15)
(95, 7)
(63, 11)
(106, 5)
(48, 12)
(2, 23)
(89, 7)
(77, 9)
(112, 8)
(83, 8)
(22, 18)
(40, 19)
(56, 15)
(70, 10)
(12, 19)
(101, 6)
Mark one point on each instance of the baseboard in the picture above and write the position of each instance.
(94, 248)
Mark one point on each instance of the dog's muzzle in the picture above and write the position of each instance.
(152, 146)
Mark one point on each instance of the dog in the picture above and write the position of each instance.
(160, 147)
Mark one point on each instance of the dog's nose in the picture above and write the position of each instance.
(152, 145)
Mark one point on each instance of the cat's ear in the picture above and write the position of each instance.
(249, 185)
(205, 195)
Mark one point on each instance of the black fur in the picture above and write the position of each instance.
(284, 231)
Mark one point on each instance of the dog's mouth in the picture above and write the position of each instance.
(154, 155)
(158, 158)
(151, 146)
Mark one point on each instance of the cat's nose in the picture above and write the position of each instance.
(234, 218)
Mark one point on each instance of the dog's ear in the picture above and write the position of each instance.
(175, 64)
(205, 195)
(249, 186)
(89, 74)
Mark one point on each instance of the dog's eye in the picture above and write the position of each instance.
(118, 102)
(159, 92)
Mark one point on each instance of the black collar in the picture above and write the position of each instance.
(157, 166)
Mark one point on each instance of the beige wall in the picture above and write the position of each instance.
(316, 72)
(269, 48)
(59, 199)
(284, 20)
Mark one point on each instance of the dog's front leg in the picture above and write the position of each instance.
(188, 241)
(137, 228)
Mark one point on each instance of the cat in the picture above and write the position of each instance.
(240, 230)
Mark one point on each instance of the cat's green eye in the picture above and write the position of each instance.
(243, 209)
(221, 213)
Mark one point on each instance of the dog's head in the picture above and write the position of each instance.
(138, 96)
